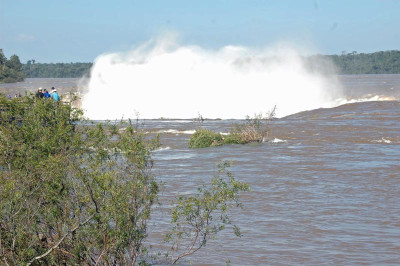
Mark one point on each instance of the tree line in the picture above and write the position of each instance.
(10, 69)
(56, 70)
(383, 62)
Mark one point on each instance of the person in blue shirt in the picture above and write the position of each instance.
(46, 94)
(54, 95)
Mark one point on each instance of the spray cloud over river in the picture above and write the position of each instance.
(164, 79)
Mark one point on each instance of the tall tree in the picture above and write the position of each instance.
(10, 70)
(14, 63)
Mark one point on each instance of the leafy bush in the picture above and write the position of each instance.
(71, 194)
(203, 138)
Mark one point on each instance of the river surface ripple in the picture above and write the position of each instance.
(325, 191)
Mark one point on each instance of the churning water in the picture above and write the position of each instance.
(164, 79)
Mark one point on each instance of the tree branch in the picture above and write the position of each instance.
(190, 252)
(2, 251)
(60, 241)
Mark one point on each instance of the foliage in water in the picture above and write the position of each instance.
(255, 129)
(203, 138)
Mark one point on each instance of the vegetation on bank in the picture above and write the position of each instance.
(384, 62)
(78, 194)
(387, 62)
(254, 129)
(58, 70)
(10, 69)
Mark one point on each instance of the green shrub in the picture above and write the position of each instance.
(254, 129)
(234, 138)
(203, 138)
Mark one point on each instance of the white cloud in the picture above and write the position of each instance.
(25, 37)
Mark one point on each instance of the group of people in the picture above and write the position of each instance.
(46, 95)
(17, 95)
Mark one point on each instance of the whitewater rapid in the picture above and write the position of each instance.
(162, 79)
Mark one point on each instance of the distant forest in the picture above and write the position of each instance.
(10, 69)
(385, 62)
(58, 70)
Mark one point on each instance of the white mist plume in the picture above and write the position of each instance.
(163, 79)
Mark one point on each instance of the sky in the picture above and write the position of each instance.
(52, 31)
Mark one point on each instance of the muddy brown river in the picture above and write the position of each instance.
(325, 189)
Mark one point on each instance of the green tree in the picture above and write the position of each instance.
(14, 63)
(10, 70)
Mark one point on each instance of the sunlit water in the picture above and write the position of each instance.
(325, 189)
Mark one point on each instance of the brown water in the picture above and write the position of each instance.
(325, 189)
(326, 192)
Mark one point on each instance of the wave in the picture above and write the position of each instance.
(174, 131)
(367, 98)
(175, 121)
(276, 140)
(383, 140)
(163, 148)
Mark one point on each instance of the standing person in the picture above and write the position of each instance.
(54, 95)
(46, 94)
(39, 94)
